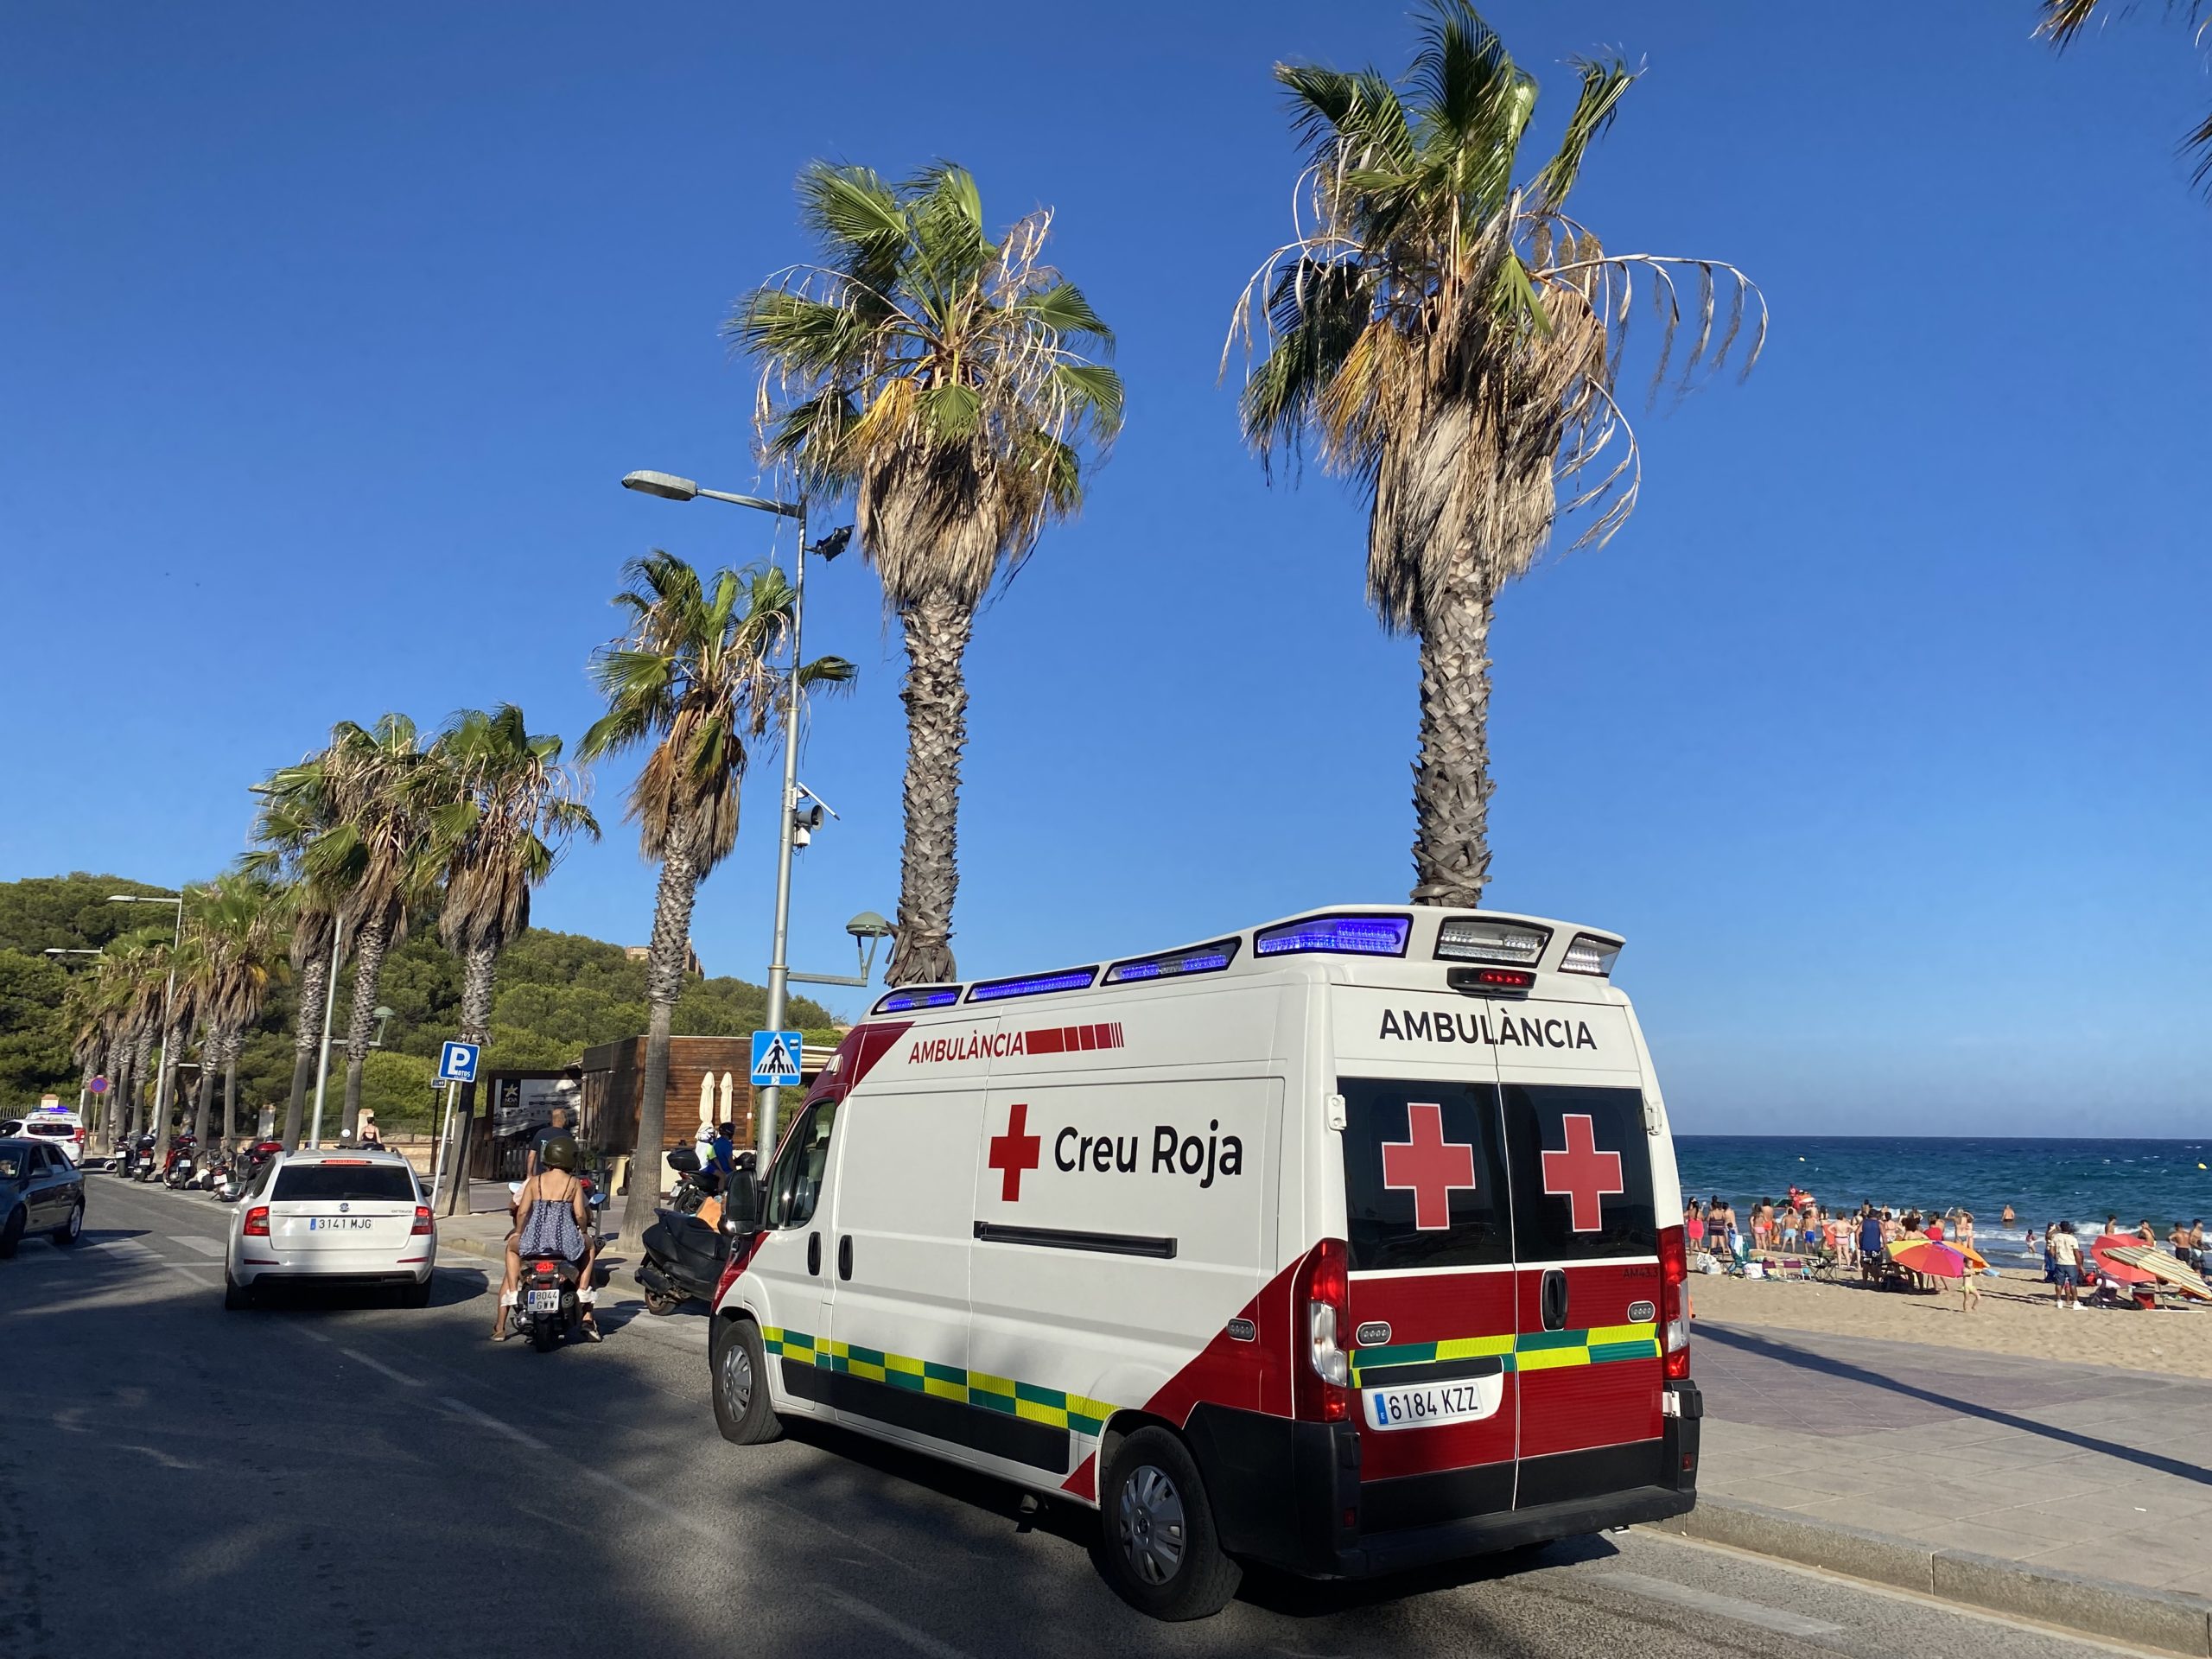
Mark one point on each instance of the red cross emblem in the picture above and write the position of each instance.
(1013, 1152)
(1581, 1174)
(1428, 1165)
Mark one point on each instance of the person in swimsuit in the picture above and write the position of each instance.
(552, 1217)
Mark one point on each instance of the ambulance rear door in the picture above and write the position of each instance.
(1430, 1244)
(1585, 1238)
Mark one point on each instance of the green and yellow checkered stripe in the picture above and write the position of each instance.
(1073, 1412)
(1532, 1350)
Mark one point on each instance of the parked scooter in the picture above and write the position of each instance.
(133, 1155)
(686, 1251)
(210, 1171)
(178, 1168)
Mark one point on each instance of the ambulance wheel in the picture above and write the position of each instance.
(1158, 1547)
(741, 1407)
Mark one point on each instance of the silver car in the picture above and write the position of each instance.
(332, 1216)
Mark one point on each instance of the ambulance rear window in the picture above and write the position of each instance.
(1581, 1171)
(1424, 1182)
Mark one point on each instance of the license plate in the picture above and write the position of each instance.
(1426, 1404)
(339, 1224)
(545, 1301)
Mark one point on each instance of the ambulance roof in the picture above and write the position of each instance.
(1409, 932)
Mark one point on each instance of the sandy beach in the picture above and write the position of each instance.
(2016, 1317)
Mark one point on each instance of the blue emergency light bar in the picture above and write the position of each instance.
(1353, 936)
(1071, 979)
(1176, 964)
(899, 1001)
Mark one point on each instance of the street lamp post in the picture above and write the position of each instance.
(670, 487)
(329, 1010)
(169, 1002)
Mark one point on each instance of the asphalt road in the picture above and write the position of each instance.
(352, 1478)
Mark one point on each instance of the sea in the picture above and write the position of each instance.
(2043, 1180)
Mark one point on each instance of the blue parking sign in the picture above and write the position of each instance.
(457, 1063)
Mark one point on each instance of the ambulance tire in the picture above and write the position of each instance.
(1152, 1485)
(741, 1385)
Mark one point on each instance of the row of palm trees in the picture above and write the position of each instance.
(1437, 330)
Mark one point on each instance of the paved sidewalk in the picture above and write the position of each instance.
(2081, 1469)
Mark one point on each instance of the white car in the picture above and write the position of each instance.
(333, 1216)
(64, 1131)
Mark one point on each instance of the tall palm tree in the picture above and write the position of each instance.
(296, 807)
(2062, 20)
(507, 807)
(236, 929)
(377, 853)
(1449, 340)
(941, 379)
(693, 681)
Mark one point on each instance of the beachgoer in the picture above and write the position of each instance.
(2144, 1231)
(1969, 1292)
(2007, 1219)
(1693, 1224)
(1935, 1229)
(1870, 1244)
(2066, 1261)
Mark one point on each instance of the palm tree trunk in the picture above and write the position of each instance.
(361, 1027)
(1452, 780)
(664, 965)
(935, 695)
(164, 1111)
(315, 983)
(203, 1090)
(478, 977)
(119, 1113)
(230, 1085)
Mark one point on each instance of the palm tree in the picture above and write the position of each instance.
(693, 677)
(295, 809)
(508, 807)
(235, 928)
(2064, 19)
(940, 378)
(1450, 340)
(376, 852)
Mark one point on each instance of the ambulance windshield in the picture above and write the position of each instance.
(1424, 1182)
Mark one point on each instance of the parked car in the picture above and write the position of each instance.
(333, 1216)
(63, 1130)
(41, 1192)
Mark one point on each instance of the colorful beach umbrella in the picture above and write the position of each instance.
(1937, 1261)
(2118, 1267)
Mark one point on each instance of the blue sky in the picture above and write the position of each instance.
(1880, 732)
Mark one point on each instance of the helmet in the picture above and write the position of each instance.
(560, 1153)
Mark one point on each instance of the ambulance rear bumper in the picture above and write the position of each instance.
(1289, 1494)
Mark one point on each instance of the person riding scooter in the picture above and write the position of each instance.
(552, 1218)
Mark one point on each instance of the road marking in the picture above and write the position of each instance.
(484, 1418)
(312, 1336)
(400, 1377)
(1782, 1623)
(193, 1242)
(920, 1641)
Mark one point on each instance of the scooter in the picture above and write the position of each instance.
(178, 1170)
(685, 1254)
(547, 1309)
(131, 1157)
(211, 1172)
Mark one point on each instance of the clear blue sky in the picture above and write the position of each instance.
(1881, 732)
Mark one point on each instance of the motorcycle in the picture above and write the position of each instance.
(547, 1309)
(209, 1172)
(178, 1169)
(684, 1252)
(133, 1155)
(243, 1167)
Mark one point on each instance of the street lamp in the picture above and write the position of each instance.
(169, 1002)
(670, 487)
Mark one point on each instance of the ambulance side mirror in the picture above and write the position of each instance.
(741, 1206)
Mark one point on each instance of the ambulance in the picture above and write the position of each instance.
(1346, 1243)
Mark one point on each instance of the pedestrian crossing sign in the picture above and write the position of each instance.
(775, 1058)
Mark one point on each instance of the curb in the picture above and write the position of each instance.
(2166, 1619)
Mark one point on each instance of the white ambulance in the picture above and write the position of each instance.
(1347, 1243)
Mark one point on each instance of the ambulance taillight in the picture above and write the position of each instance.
(1674, 1325)
(1324, 1387)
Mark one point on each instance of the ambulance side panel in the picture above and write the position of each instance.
(1115, 1265)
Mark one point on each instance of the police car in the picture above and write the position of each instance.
(1334, 1244)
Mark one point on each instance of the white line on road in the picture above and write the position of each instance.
(485, 1419)
(195, 1242)
(869, 1613)
(1776, 1619)
(400, 1377)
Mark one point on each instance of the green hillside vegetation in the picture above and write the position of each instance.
(558, 995)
